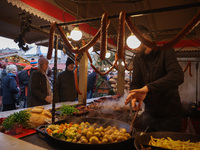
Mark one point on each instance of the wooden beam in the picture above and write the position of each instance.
(83, 71)
(120, 77)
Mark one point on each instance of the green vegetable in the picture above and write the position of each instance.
(59, 136)
(67, 110)
(21, 117)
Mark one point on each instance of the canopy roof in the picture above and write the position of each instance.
(163, 24)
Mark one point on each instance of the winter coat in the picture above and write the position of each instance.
(3, 75)
(66, 90)
(9, 88)
(91, 81)
(23, 77)
(37, 89)
(162, 74)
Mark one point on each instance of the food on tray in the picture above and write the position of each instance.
(16, 121)
(172, 144)
(67, 110)
(86, 133)
(39, 116)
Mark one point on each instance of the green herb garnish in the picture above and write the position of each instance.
(67, 110)
(21, 117)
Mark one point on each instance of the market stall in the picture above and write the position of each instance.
(108, 116)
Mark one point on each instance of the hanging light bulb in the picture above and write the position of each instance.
(107, 55)
(122, 63)
(132, 41)
(90, 50)
(76, 34)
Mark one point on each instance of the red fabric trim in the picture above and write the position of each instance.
(184, 43)
(49, 9)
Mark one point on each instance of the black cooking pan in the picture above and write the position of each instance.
(127, 144)
(145, 138)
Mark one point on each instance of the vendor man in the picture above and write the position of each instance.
(155, 80)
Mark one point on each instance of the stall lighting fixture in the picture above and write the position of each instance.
(122, 63)
(76, 34)
(132, 41)
(90, 50)
(107, 55)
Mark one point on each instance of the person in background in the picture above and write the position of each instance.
(66, 90)
(10, 87)
(4, 64)
(111, 75)
(155, 80)
(91, 82)
(24, 76)
(39, 88)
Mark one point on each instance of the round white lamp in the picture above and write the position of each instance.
(76, 34)
(133, 42)
(90, 49)
(107, 55)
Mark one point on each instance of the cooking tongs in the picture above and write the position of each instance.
(132, 123)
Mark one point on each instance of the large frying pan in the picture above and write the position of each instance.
(145, 138)
(127, 144)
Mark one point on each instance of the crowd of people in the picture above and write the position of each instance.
(34, 84)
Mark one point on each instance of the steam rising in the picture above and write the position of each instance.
(113, 105)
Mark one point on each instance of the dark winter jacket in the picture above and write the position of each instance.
(9, 88)
(91, 81)
(66, 90)
(23, 77)
(3, 75)
(162, 74)
(37, 89)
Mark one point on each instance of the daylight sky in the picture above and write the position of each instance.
(5, 42)
(9, 43)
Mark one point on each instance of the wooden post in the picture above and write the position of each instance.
(120, 77)
(83, 72)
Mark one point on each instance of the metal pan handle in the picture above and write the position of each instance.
(41, 130)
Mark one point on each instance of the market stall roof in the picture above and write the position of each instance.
(163, 24)
(9, 54)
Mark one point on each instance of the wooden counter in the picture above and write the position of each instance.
(9, 142)
(12, 143)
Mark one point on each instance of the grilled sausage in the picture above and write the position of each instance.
(76, 62)
(182, 33)
(103, 36)
(87, 53)
(92, 42)
(104, 73)
(51, 39)
(66, 41)
(120, 36)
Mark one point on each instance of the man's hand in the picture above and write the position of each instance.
(137, 95)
